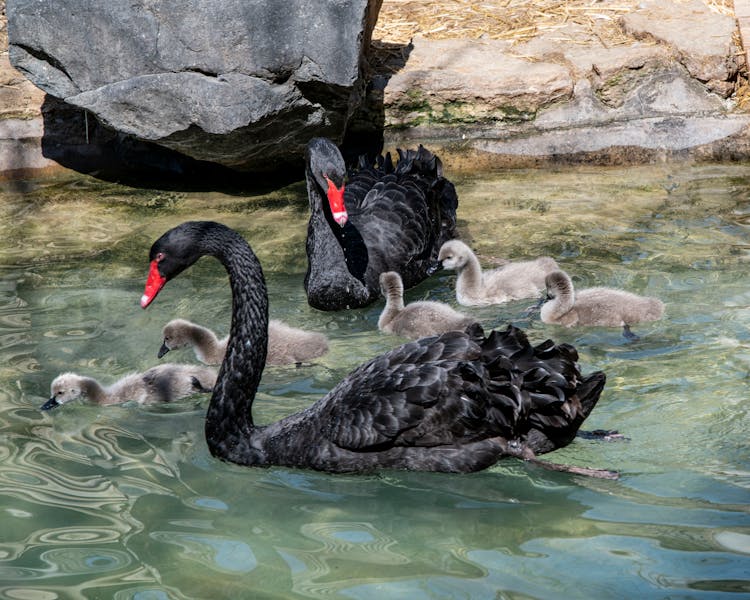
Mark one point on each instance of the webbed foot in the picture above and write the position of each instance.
(604, 435)
(627, 334)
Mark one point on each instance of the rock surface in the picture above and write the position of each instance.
(242, 83)
(567, 93)
(667, 87)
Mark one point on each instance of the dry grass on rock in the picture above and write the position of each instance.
(513, 20)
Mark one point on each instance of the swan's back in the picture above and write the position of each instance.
(597, 306)
(167, 383)
(425, 318)
(443, 403)
(612, 307)
(404, 214)
(288, 345)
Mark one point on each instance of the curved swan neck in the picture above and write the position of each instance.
(469, 280)
(208, 347)
(563, 299)
(94, 391)
(320, 229)
(394, 299)
(394, 304)
(229, 422)
(335, 255)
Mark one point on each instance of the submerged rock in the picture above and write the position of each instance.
(241, 83)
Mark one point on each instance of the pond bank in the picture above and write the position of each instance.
(625, 88)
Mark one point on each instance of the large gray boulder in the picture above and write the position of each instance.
(242, 83)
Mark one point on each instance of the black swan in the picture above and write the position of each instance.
(456, 402)
(606, 307)
(286, 345)
(163, 383)
(385, 218)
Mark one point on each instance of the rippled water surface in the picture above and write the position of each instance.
(125, 501)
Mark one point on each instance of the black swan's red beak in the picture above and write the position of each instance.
(154, 283)
(336, 202)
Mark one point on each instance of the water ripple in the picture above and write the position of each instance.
(223, 554)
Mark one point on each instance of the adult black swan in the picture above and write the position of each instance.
(385, 218)
(455, 402)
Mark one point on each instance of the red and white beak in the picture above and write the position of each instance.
(154, 283)
(336, 202)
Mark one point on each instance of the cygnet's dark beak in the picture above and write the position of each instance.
(434, 267)
(163, 350)
(534, 308)
(51, 403)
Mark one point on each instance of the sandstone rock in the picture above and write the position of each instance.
(19, 98)
(243, 83)
(702, 39)
(454, 81)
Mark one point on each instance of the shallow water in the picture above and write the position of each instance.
(125, 501)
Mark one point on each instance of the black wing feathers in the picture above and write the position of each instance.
(458, 388)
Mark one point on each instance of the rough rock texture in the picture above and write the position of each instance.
(454, 81)
(243, 83)
(702, 40)
(567, 93)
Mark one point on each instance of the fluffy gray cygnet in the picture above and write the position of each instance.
(474, 287)
(163, 383)
(416, 319)
(286, 345)
(601, 306)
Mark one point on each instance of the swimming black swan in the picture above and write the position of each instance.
(384, 219)
(455, 402)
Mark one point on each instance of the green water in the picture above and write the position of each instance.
(125, 501)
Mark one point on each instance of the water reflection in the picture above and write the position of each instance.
(125, 501)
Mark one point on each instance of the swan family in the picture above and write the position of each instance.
(455, 402)
(453, 398)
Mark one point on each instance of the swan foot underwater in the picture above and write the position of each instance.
(456, 402)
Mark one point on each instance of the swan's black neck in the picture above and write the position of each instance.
(229, 421)
(337, 256)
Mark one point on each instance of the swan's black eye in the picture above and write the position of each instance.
(159, 257)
